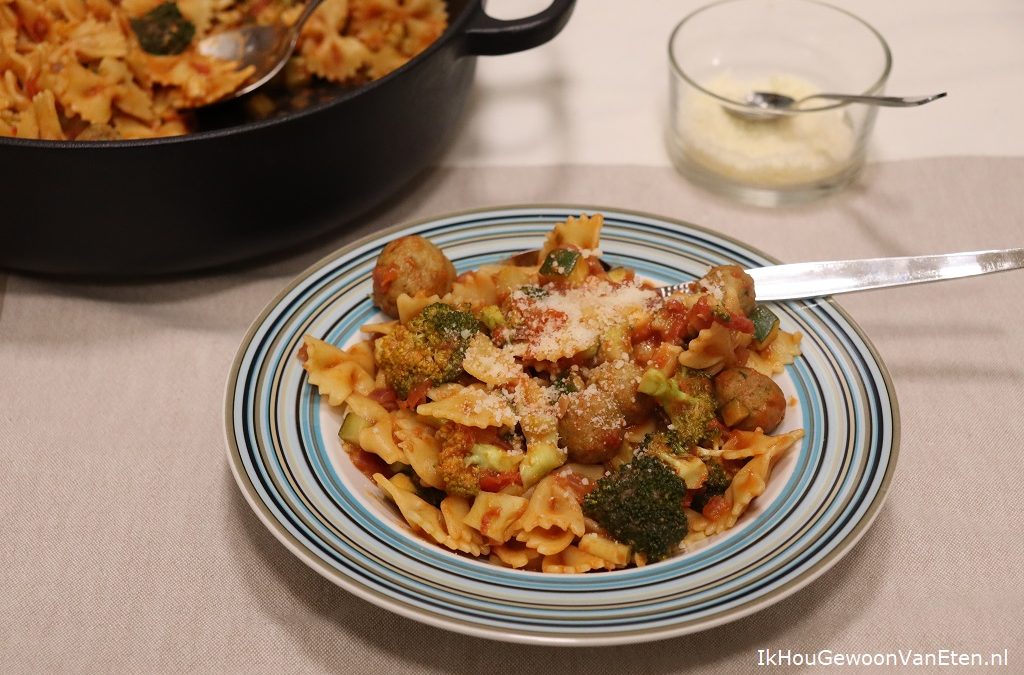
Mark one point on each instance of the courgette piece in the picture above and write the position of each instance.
(765, 323)
(563, 264)
(351, 427)
(560, 262)
(492, 317)
(492, 457)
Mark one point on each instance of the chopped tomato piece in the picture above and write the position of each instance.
(715, 508)
(368, 463)
(495, 482)
(383, 277)
(573, 482)
(386, 397)
(417, 395)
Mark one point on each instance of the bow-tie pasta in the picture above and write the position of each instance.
(554, 415)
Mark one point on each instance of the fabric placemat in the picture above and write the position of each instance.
(128, 548)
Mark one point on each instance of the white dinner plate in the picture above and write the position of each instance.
(822, 497)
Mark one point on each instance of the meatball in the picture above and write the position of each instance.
(595, 418)
(409, 265)
(748, 400)
(619, 380)
(592, 427)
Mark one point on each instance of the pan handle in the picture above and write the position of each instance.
(486, 36)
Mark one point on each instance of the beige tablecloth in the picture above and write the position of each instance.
(126, 546)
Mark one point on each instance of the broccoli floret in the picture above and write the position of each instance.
(428, 350)
(668, 441)
(492, 317)
(717, 483)
(669, 449)
(467, 466)
(641, 505)
(534, 292)
(164, 30)
(689, 403)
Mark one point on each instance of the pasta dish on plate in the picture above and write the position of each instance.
(552, 414)
(124, 69)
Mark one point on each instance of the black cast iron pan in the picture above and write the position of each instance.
(240, 190)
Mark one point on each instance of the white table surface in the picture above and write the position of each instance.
(597, 93)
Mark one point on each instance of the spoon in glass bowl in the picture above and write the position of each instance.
(762, 105)
(265, 48)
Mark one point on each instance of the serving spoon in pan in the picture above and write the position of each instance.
(265, 48)
(797, 281)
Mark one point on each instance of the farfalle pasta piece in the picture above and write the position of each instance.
(774, 358)
(744, 444)
(472, 407)
(474, 288)
(571, 560)
(416, 440)
(379, 328)
(424, 517)
(377, 436)
(495, 515)
(362, 354)
(749, 483)
(552, 519)
(514, 554)
(193, 79)
(546, 541)
(508, 278)
(461, 536)
(89, 95)
(409, 306)
(583, 233)
(92, 39)
(716, 348)
(337, 374)
(489, 363)
(553, 506)
(697, 525)
(44, 108)
(610, 551)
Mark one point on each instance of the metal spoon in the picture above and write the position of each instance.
(763, 105)
(798, 281)
(266, 48)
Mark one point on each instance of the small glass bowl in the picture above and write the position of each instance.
(721, 53)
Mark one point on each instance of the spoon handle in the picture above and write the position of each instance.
(306, 13)
(815, 279)
(888, 101)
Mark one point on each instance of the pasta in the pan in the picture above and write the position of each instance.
(124, 69)
(554, 415)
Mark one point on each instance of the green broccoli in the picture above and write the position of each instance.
(641, 505)
(688, 400)
(492, 317)
(717, 483)
(428, 350)
(669, 449)
(164, 30)
(468, 466)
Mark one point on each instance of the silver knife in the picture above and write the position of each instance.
(815, 279)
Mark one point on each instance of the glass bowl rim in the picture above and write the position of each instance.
(875, 87)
